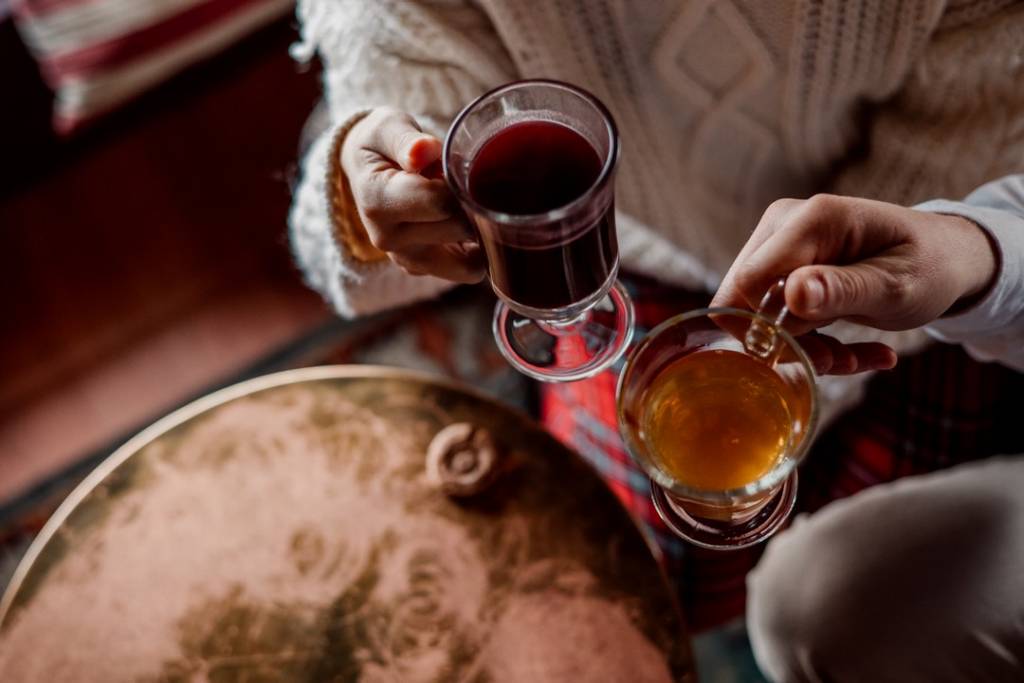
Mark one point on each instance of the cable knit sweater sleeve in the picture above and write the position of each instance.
(426, 57)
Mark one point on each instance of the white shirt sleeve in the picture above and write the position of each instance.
(993, 328)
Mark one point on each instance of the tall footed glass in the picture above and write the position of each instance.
(532, 164)
(719, 406)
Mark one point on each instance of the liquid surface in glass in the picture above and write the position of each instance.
(716, 419)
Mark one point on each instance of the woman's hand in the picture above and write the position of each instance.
(878, 264)
(393, 168)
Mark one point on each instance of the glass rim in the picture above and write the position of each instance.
(768, 481)
(558, 213)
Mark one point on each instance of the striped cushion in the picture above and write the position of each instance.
(98, 54)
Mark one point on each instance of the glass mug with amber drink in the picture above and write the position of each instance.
(718, 406)
(532, 164)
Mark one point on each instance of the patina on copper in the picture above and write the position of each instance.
(285, 529)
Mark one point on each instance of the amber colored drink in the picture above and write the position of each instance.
(716, 419)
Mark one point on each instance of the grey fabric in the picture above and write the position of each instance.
(918, 580)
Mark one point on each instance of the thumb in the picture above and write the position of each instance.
(822, 292)
(420, 151)
(399, 138)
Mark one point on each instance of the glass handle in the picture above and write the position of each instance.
(762, 335)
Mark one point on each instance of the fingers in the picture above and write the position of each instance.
(829, 356)
(730, 293)
(811, 231)
(410, 236)
(866, 289)
(822, 229)
(462, 263)
(407, 209)
(393, 197)
(396, 136)
(395, 209)
(862, 260)
(873, 356)
(845, 258)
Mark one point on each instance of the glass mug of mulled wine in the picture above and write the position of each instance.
(532, 164)
(718, 406)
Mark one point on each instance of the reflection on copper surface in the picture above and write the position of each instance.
(291, 534)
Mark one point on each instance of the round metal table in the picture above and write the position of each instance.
(284, 529)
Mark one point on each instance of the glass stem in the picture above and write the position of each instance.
(565, 328)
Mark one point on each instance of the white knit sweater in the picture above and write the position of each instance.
(722, 105)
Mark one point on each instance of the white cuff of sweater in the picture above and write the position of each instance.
(993, 326)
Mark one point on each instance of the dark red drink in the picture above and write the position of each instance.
(532, 168)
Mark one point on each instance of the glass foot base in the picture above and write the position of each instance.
(571, 350)
(718, 535)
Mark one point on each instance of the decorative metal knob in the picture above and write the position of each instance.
(462, 459)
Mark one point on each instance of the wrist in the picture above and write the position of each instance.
(977, 260)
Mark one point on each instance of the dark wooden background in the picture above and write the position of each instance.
(147, 256)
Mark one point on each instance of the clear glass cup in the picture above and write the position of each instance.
(740, 516)
(561, 314)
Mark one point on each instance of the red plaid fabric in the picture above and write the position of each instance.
(936, 409)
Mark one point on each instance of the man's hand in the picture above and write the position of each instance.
(878, 264)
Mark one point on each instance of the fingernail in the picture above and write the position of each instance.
(814, 294)
(417, 152)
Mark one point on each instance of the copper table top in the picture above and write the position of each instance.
(284, 529)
